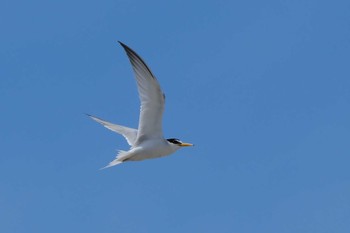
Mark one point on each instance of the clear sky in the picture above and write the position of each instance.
(261, 87)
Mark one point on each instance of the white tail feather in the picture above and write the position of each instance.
(121, 156)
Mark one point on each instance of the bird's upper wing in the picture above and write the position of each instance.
(130, 134)
(151, 97)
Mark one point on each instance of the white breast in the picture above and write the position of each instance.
(152, 149)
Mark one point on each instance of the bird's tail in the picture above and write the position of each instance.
(121, 156)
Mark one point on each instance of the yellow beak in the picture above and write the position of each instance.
(186, 144)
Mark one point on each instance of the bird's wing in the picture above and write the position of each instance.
(151, 97)
(129, 133)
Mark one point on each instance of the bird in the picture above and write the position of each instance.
(146, 142)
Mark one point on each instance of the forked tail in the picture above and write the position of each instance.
(121, 156)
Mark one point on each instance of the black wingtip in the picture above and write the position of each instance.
(129, 50)
(122, 44)
(132, 55)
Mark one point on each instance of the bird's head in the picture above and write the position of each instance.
(177, 143)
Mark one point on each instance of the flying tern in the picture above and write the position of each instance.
(147, 141)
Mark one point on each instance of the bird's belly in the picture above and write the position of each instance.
(143, 153)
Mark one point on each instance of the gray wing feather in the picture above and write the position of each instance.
(130, 134)
(151, 96)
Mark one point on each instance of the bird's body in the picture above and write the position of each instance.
(150, 149)
(147, 141)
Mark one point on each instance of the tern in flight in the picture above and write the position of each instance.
(147, 141)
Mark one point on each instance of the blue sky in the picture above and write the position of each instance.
(261, 87)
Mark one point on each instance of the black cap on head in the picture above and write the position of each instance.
(174, 141)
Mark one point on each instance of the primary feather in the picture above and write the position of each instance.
(128, 133)
(151, 96)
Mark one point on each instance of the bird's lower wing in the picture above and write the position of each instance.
(130, 134)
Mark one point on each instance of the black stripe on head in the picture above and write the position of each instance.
(174, 141)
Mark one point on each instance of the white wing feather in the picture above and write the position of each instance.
(130, 134)
(151, 97)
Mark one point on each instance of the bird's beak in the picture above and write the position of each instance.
(186, 144)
